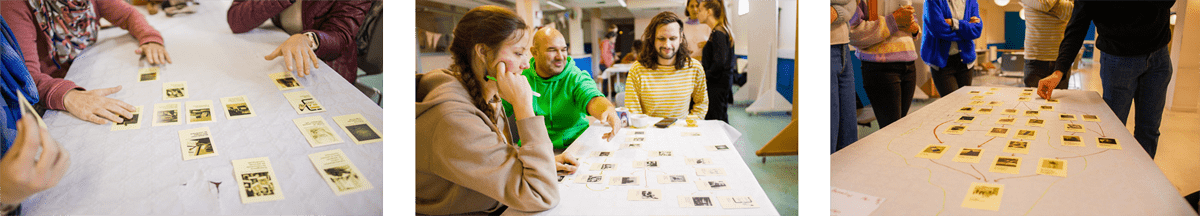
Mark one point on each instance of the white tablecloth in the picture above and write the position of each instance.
(141, 171)
(604, 199)
(1098, 182)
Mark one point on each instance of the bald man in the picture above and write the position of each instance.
(569, 95)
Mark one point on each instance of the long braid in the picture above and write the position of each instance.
(487, 25)
(475, 89)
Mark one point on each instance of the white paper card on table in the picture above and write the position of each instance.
(1068, 140)
(1074, 128)
(256, 180)
(1091, 118)
(196, 143)
(601, 154)
(589, 179)
(635, 139)
(148, 74)
(710, 171)
(1054, 167)
(1108, 143)
(237, 107)
(316, 131)
(632, 145)
(659, 154)
(360, 130)
(167, 114)
(285, 81)
(717, 147)
(603, 166)
(303, 102)
(645, 164)
(712, 185)
(698, 161)
(672, 179)
(968, 155)
(736, 202)
(175, 90)
(624, 180)
(341, 174)
(199, 111)
(844, 202)
(696, 201)
(984, 196)
(134, 122)
(645, 195)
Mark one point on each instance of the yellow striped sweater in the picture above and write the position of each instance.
(665, 91)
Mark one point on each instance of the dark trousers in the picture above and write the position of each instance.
(718, 103)
(951, 77)
(1143, 79)
(1035, 70)
(890, 87)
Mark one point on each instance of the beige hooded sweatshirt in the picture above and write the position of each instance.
(463, 162)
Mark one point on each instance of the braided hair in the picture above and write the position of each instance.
(487, 25)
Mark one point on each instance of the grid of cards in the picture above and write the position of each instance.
(255, 176)
(1011, 129)
(707, 176)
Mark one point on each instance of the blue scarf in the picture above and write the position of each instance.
(13, 77)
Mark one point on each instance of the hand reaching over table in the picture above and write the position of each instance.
(94, 106)
(155, 53)
(298, 54)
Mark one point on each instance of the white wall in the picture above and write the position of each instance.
(762, 46)
(1183, 93)
(787, 26)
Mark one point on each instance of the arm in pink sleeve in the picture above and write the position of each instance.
(341, 25)
(246, 15)
(124, 15)
(50, 90)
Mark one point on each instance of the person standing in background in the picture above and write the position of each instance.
(608, 47)
(1045, 21)
(882, 31)
(948, 45)
(843, 129)
(718, 59)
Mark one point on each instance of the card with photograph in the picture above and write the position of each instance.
(167, 114)
(1003, 164)
(994, 89)
(603, 166)
(1026, 94)
(1108, 143)
(1027, 90)
(659, 154)
(635, 132)
(625, 181)
(737, 202)
(196, 143)
(1054, 167)
(1035, 123)
(1068, 140)
(645, 164)
(339, 173)
(718, 147)
(1017, 146)
(133, 122)
(1054, 101)
(1011, 111)
(965, 119)
(285, 81)
(984, 196)
(632, 145)
(589, 179)
(932, 151)
(645, 195)
(1074, 127)
(973, 92)
(238, 107)
(199, 111)
(712, 185)
(996, 103)
(602, 154)
(965, 110)
(698, 161)
(998, 132)
(256, 180)
(710, 171)
(956, 129)
(989, 93)
(973, 103)
(360, 130)
(175, 90)
(317, 131)
(696, 201)
(303, 102)
(1026, 134)
(672, 179)
(968, 155)
(1091, 118)
(1046, 108)
(1006, 120)
(1066, 117)
(984, 111)
(1024, 99)
(977, 98)
(635, 139)
(1032, 113)
(148, 74)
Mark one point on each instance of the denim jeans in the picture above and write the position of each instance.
(1141, 78)
(1035, 70)
(890, 87)
(951, 77)
(844, 123)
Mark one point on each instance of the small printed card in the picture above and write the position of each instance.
(1054, 167)
(1052, 101)
(1026, 94)
(690, 134)
(965, 119)
(658, 154)
(604, 166)
(645, 195)
(256, 180)
(984, 111)
(167, 114)
(1006, 120)
(601, 153)
(1046, 108)
(1032, 113)
(1074, 128)
(932, 152)
(360, 130)
(965, 110)
(995, 103)
(736, 202)
(957, 129)
(1011, 111)
(973, 103)
(133, 122)
(635, 139)
(717, 147)
(636, 133)
(148, 74)
(1108, 143)
(698, 161)
(1003, 164)
(303, 102)
(712, 185)
(285, 81)
(710, 171)
(1091, 118)
(339, 173)
(1066, 117)
(175, 90)
(1017, 146)
(1026, 134)
(977, 97)
(1024, 98)
(696, 201)
(672, 179)
(968, 155)
(1035, 122)
(589, 179)
(199, 111)
(316, 131)
(196, 143)
(645, 164)
(624, 180)
(973, 92)
(1069, 140)
(632, 145)
(237, 107)
(998, 132)
(984, 196)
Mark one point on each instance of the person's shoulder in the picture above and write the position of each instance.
(694, 64)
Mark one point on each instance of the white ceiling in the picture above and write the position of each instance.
(609, 9)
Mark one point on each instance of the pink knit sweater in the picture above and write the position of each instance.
(35, 45)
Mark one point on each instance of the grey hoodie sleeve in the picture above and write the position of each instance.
(845, 9)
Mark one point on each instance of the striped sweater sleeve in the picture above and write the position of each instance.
(700, 92)
(632, 81)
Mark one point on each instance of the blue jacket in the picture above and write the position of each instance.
(935, 43)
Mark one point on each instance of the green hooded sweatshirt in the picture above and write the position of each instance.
(563, 102)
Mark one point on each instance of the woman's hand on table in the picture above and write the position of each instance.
(297, 53)
(94, 106)
(20, 174)
(565, 164)
(155, 53)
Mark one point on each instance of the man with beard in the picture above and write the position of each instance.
(569, 94)
(665, 82)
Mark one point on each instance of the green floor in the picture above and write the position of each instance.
(374, 81)
(778, 175)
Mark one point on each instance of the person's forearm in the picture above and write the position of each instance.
(598, 105)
